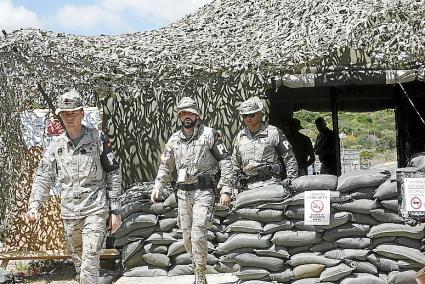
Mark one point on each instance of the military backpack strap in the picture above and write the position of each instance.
(107, 157)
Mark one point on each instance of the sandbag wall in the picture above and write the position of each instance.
(263, 237)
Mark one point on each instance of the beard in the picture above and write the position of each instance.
(188, 123)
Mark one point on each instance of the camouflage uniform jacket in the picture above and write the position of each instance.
(85, 187)
(194, 154)
(250, 152)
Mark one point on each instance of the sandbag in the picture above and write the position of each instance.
(364, 267)
(295, 212)
(135, 260)
(155, 248)
(362, 206)
(252, 273)
(226, 267)
(397, 230)
(400, 252)
(301, 226)
(176, 248)
(145, 271)
(346, 230)
(353, 243)
(181, 270)
(386, 216)
(245, 226)
(404, 277)
(359, 193)
(408, 242)
(364, 219)
(186, 258)
(384, 240)
(323, 246)
(336, 219)
(387, 190)
(273, 251)
(418, 161)
(171, 201)
(135, 221)
(361, 178)
(390, 204)
(267, 215)
(314, 182)
(283, 276)
(296, 238)
(307, 271)
(144, 206)
(266, 194)
(131, 249)
(335, 273)
(311, 258)
(157, 259)
(361, 278)
(300, 249)
(166, 225)
(384, 264)
(273, 227)
(161, 239)
(221, 237)
(245, 241)
(357, 254)
(266, 262)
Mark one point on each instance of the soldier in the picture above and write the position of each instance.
(90, 187)
(258, 148)
(325, 147)
(301, 146)
(196, 152)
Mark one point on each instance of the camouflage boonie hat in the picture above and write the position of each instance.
(189, 105)
(251, 105)
(69, 101)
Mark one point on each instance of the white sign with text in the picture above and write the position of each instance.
(414, 194)
(317, 207)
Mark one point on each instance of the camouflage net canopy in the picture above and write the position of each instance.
(220, 55)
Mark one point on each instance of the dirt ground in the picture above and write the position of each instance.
(47, 271)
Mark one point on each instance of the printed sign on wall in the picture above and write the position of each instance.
(414, 193)
(317, 207)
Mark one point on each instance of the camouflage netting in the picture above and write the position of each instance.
(221, 54)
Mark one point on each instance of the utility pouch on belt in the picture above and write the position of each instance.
(264, 172)
(107, 158)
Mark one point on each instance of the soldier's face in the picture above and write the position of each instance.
(252, 120)
(72, 118)
(188, 119)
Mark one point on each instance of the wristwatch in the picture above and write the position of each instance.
(116, 211)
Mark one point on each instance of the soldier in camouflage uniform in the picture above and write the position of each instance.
(196, 152)
(258, 148)
(90, 187)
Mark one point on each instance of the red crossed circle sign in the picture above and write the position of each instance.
(416, 202)
(317, 206)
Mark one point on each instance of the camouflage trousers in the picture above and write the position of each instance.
(195, 213)
(84, 239)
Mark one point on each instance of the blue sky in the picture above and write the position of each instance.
(94, 17)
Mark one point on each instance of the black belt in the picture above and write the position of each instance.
(188, 187)
(265, 172)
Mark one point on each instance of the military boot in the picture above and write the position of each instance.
(200, 277)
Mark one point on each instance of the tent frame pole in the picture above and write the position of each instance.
(334, 108)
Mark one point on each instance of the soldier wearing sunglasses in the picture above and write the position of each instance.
(259, 148)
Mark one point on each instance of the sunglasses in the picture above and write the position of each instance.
(250, 115)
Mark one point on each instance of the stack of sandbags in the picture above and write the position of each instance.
(257, 214)
(149, 239)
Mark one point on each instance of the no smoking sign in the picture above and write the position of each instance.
(317, 207)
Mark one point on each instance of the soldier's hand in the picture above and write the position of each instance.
(225, 199)
(32, 214)
(114, 222)
(154, 195)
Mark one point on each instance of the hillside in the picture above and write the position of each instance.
(372, 133)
